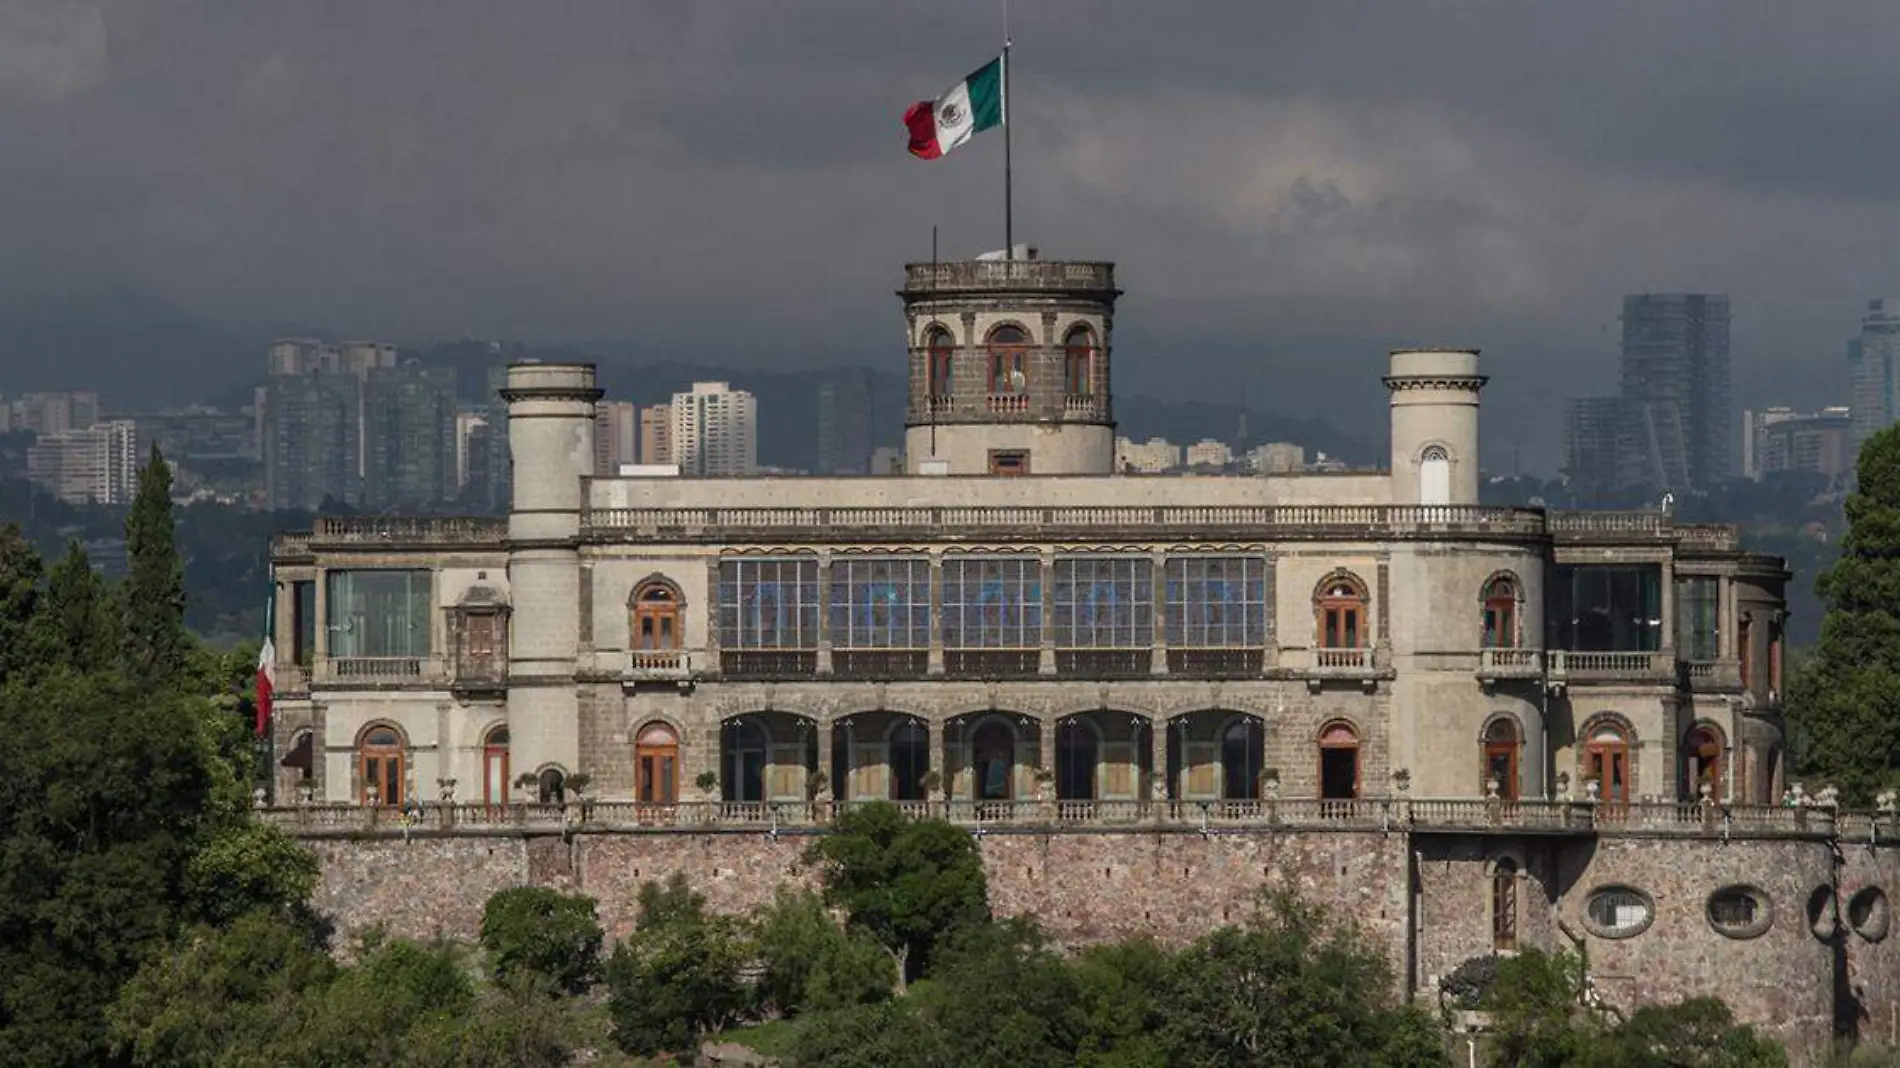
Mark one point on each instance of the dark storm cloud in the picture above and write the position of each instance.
(726, 181)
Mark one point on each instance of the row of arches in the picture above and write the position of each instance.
(1209, 755)
(1006, 350)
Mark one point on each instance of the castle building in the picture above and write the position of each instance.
(1012, 617)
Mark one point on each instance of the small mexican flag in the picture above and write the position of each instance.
(267, 663)
(967, 108)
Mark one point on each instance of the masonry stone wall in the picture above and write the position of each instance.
(1793, 980)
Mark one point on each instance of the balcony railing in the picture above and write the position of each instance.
(1712, 674)
(1569, 666)
(1007, 403)
(978, 275)
(1342, 661)
(380, 670)
(659, 664)
(427, 530)
(1511, 663)
(1427, 815)
(1283, 521)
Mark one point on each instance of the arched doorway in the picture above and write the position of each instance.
(1434, 475)
(380, 765)
(1338, 762)
(1500, 758)
(656, 762)
(553, 787)
(747, 751)
(495, 766)
(1078, 755)
(908, 746)
(1242, 754)
(993, 761)
(1606, 761)
(1702, 762)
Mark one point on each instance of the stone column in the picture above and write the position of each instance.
(320, 641)
(1046, 752)
(824, 730)
(1046, 560)
(1159, 666)
(935, 663)
(824, 614)
(1157, 759)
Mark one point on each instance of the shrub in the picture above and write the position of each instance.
(538, 933)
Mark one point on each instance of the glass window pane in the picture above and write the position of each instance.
(880, 602)
(768, 603)
(992, 602)
(1104, 602)
(378, 613)
(1215, 602)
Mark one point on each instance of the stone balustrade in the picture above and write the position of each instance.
(967, 276)
(1568, 666)
(373, 670)
(1421, 815)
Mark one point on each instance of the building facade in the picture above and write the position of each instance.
(96, 465)
(1873, 371)
(1783, 440)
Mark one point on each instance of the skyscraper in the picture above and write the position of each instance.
(1676, 429)
(656, 434)
(616, 436)
(409, 431)
(312, 440)
(1873, 371)
(95, 465)
(844, 423)
(1589, 450)
(715, 431)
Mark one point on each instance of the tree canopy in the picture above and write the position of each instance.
(1844, 701)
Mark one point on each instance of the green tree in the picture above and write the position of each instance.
(910, 883)
(1845, 702)
(78, 622)
(1697, 1033)
(810, 964)
(1534, 1001)
(1290, 989)
(534, 932)
(1121, 985)
(20, 572)
(677, 977)
(156, 639)
(1007, 996)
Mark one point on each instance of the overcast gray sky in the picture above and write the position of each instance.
(1286, 186)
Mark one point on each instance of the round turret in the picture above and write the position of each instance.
(1009, 367)
(1434, 425)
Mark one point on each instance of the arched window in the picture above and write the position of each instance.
(1500, 758)
(1078, 754)
(1078, 362)
(908, 748)
(1500, 613)
(747, 752)
(1504, 906)
(656, 617)
(379, 756)
(495, 766)
(1606, 761)
(993, 759)
(656, 759)
(1702, 763)
(1009, 360)
(1242, 749)
(939, 349)
(1341, 611)
(1434, 475)
(1338, 762)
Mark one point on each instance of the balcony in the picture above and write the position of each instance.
(659, 665)
(1323, 665)
(1712, 676)
(1104, 663)
(1653, 668)
(1497, 664)
(379, 670)
(1221, 663)
(990, 276)
(1007, 403)
(792, 664)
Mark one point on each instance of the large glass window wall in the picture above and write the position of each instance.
(1605, 608)
(378, 614)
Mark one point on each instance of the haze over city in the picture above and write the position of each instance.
(1288, 188)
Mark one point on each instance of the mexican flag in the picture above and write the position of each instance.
(267, 663)
(967, 108)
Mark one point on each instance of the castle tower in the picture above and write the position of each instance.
(1434, 425)
(1009, 367)
(551, 411)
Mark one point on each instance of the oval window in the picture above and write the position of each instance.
(1869, 914)
(1821, 912)
(1618, 912)
(1740, 911)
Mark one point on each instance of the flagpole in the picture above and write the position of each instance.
(1009, 193)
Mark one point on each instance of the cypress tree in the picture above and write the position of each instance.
(155, 579)
(1844, 703)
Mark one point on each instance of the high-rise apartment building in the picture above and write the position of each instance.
(95, 465)
(1146, 458)
(409, 436)
(1873, 371)
(1781, 439)
(844, 423)
(312, 440)
(1589, 447)
(715, 430)
(55, 412)
(616, 436)
(656, 434)
(1677, 426)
